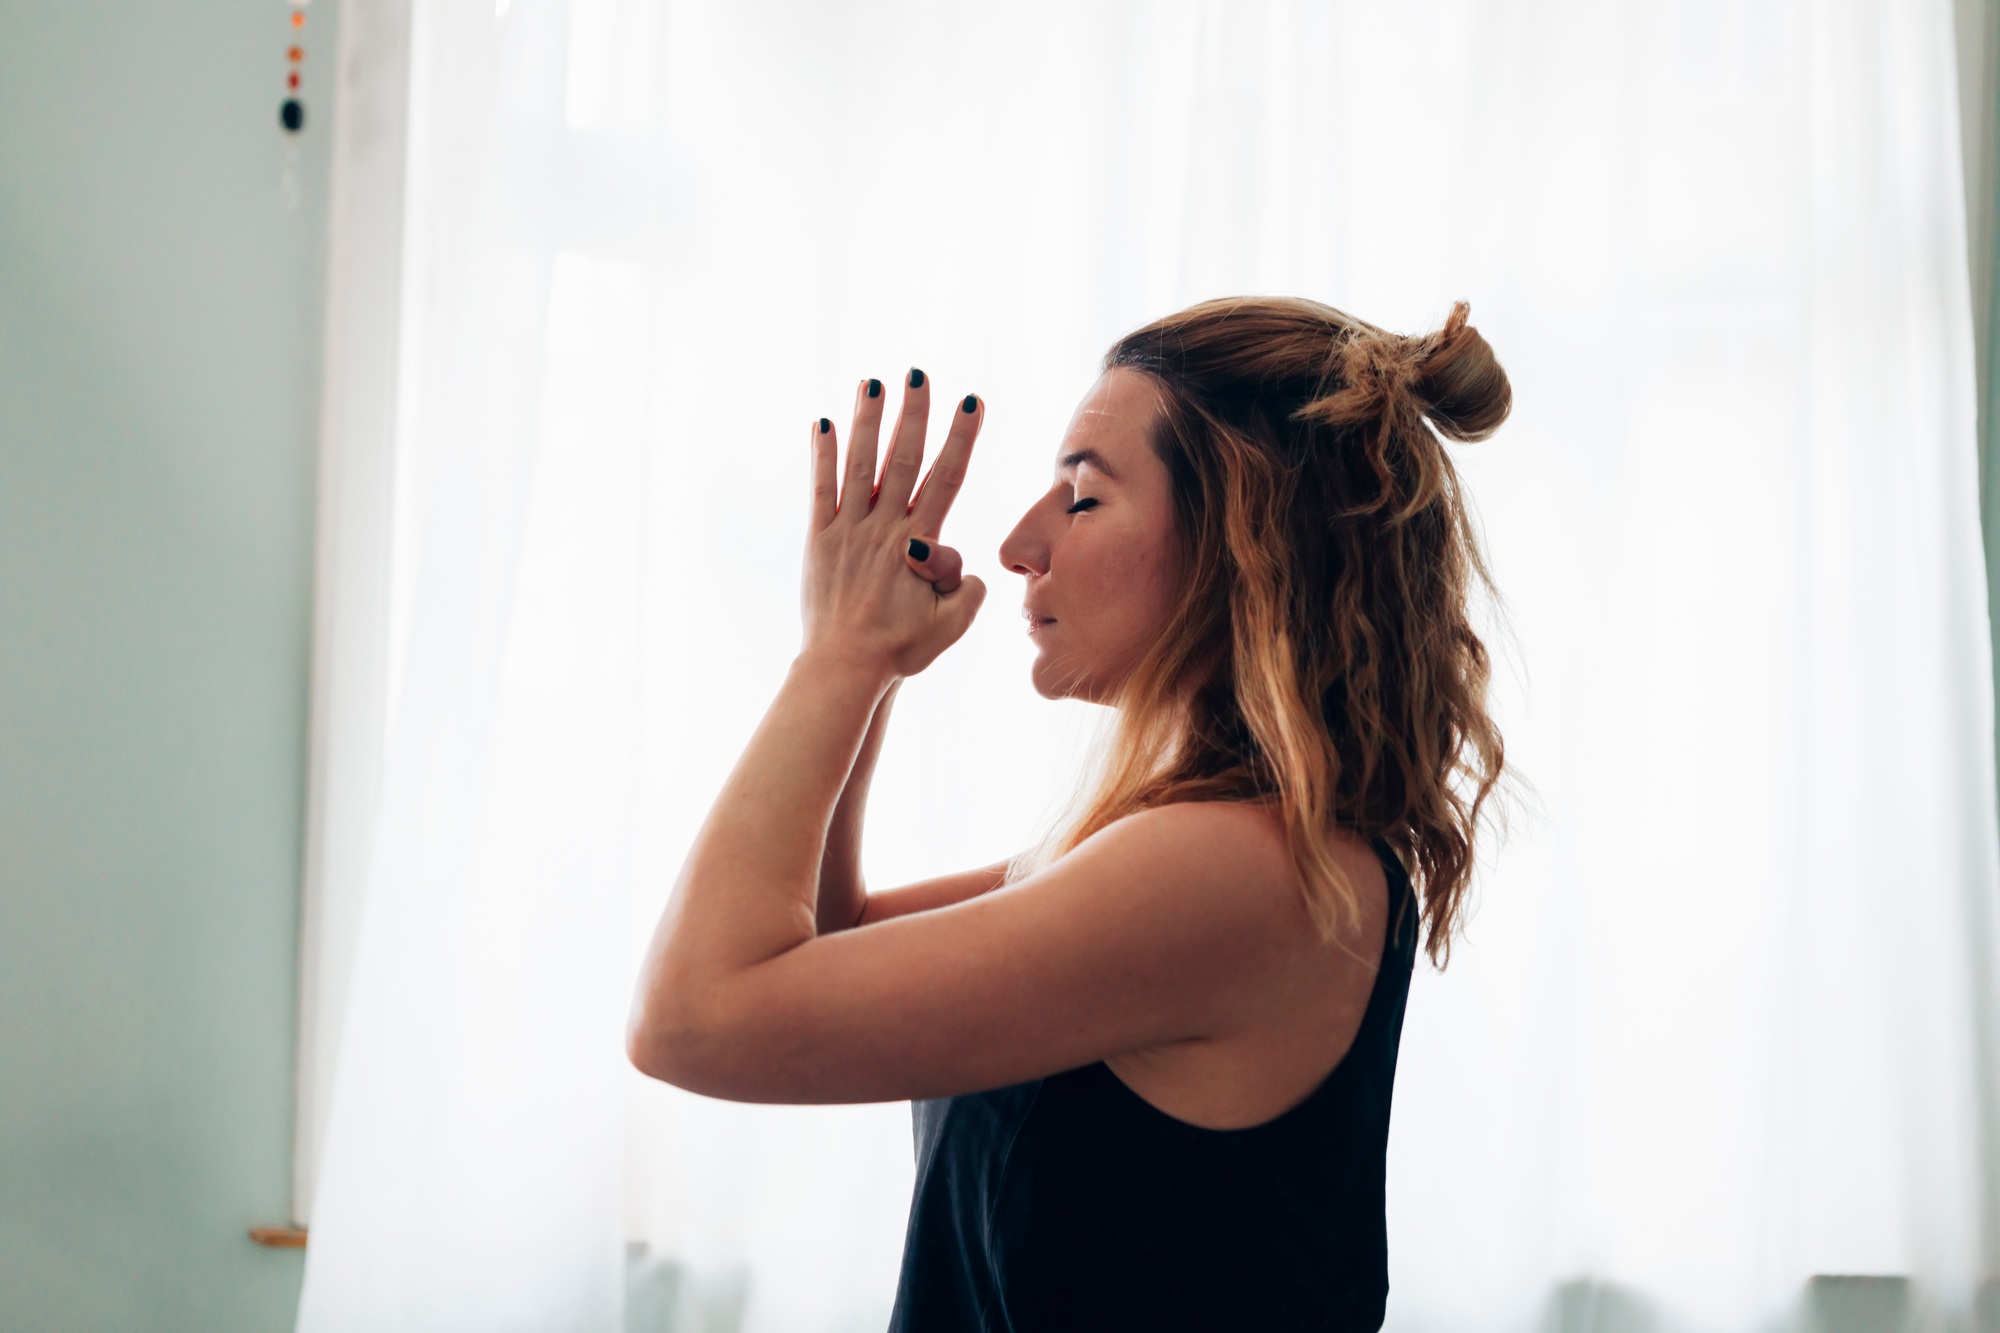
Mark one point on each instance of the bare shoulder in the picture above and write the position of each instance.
(1240, 849)
(1204, 835)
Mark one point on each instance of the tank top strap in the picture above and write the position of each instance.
(1403, 906)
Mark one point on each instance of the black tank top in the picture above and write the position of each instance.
(1072, 1203)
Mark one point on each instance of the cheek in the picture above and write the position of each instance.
(1127, 574)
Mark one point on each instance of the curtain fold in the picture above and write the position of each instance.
(1718, 1052)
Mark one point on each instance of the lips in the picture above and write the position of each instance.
(1036, 622)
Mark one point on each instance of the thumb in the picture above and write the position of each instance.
(939, 565)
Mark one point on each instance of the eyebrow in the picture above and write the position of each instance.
(1090, 456)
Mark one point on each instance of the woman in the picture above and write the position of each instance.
(1151, 1059)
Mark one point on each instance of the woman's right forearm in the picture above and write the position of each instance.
(842, 894)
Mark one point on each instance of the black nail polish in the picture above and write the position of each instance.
(920, 550)
(916, 379)
(874, 388)
(970, 405)
(824, 425)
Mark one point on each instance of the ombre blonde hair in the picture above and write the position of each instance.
(1321, 655)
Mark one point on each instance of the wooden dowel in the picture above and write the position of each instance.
(280, 1238)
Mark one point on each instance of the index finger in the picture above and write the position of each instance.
(947, 474)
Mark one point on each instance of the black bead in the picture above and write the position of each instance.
(292, 115)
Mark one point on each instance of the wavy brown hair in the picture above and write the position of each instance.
(1321, 655)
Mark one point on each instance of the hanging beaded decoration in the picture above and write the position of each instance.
(292, 111)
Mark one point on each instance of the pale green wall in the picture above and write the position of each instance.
(159, 335)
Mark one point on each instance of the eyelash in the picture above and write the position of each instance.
(1078, 506)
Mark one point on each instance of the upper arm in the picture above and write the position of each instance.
(930, 893)
(1168, 924)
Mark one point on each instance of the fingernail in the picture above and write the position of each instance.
(916, 379)
(920, 550)
(970, 405)
(874, 388)
(824, 425)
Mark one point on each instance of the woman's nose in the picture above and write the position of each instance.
(1023, 552)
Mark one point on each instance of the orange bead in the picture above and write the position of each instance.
(298, 18)
(295, 55)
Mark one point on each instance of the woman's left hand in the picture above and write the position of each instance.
(867, 597)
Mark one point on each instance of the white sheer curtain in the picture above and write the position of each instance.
(1718, 1053)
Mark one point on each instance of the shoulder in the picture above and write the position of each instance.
(1195, 837)
(1241, 844)
(1223, 864)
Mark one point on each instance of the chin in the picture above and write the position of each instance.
(1055, 682)
(1050, 681)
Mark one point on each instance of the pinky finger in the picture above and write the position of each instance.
(825, 473)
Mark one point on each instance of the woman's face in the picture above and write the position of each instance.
(1098, 549)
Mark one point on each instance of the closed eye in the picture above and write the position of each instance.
(1088, 500)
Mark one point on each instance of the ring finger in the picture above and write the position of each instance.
(857, 487)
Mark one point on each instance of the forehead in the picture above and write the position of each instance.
(1114, 422)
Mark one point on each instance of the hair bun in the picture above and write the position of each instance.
(1458, 381)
